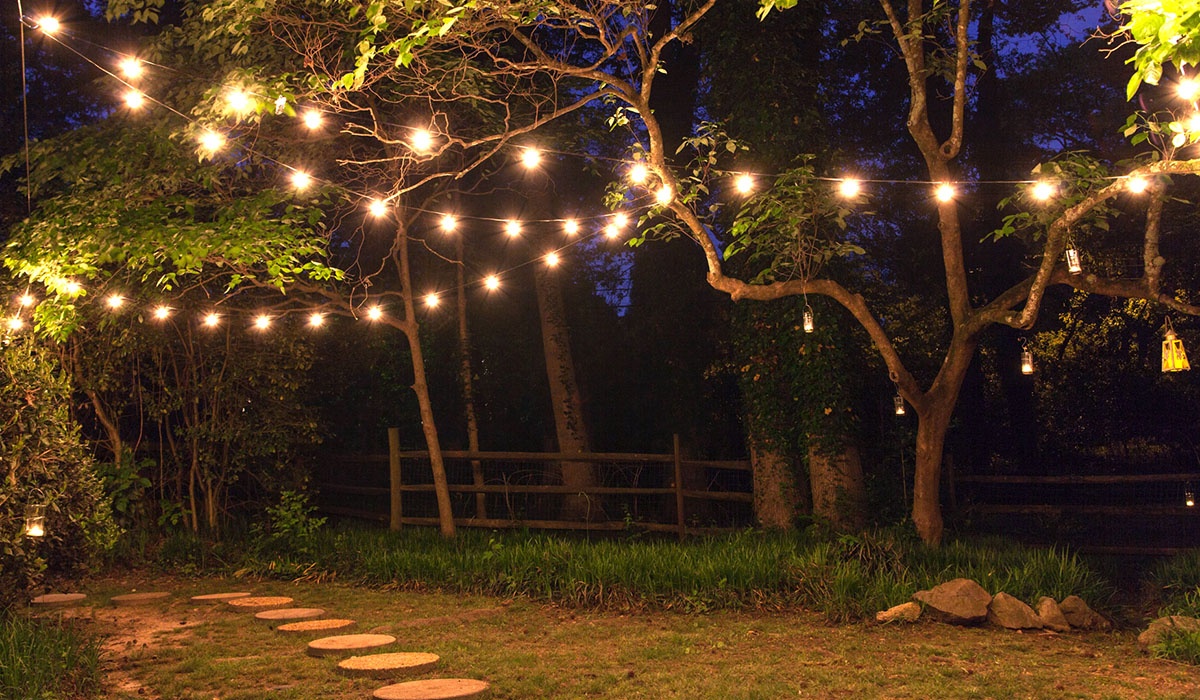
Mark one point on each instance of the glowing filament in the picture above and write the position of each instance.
(312, 119)
(432, 300)
(512, 227)
(638, 173)
(744, 184)
(849, 187)
(49, 25)
(262, 322)
(571, 227)
(134, 99)
(301, 180)
(316, 320)
(531, 158)
(448, 223)
(492, 282)
(612, 232)
(212, 319)
(115, 301)
(944, 192)
(421, 141)
(162, 312)
(552, 259)
(378, 208)
(131, 68)
(374, 313)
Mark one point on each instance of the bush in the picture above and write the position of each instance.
(42, 659)
(1178, 645)
(43, 461)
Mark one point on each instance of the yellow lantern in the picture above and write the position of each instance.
(35, 520)
(1174, 359)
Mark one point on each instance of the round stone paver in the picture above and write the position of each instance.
(316, 626)
(139, 598)
(289, 614)
(436, 689)
(213, 598)
(347, 643)
(264, 602)
(387, 665)
(52, 599)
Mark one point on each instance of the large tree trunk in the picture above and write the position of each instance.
(839, 494)
(566, 402)
(466, 378)
(779, 497)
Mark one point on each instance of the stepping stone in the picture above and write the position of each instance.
(316, 626)
(52, 599)
(289, 614)
(213, 598)
(436, 689)
(265, 602)
(387, 665)
(344, 644)
(139, 598)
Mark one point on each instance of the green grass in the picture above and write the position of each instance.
(44, 659)
(1178, 645)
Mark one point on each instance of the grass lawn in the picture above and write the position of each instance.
(525, 649)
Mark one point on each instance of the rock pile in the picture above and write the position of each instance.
(964, 602)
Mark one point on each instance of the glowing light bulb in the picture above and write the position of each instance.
(131, 67)
(239, 101)
(512, 227)
(638, 173)
(316, 320)
(374, 313)
(49, 25)
(432, 300)
(1137, 184)
(571, 227)
(378, 208)
(26, 300)
(134, 99)
(72, 287)
(312, 119)
(1043, 190)
(212, 319)
(552, 259)
(262, 322)
(492, 282)
(531, 158)
(1187, 89)
(211, 141)
(744, 184)
(849, 187)
(448, 223)
(301, 180)
(612, 231)
(421, 140)
(15, 323)
(664, 195)
(620, 220)
(944, 192)
(162, 312)
(115, 301)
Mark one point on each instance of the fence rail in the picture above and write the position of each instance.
(673, 470)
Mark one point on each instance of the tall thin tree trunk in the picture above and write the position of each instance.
(467, 379)
(420, 386)
(566, 402)
(927, 508)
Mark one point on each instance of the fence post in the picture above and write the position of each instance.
(679, 488)
(394, 476)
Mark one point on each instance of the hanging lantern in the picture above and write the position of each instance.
(809, 324)
(1073, 265)
(35, 520)
(898, 402)
(1189, 498)
(1026, 359)
(1174, 359)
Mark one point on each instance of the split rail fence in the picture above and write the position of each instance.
(650, 492)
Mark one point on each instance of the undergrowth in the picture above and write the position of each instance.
(43, 659)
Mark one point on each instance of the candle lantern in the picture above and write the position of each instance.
(809, 324)
(1026, 359)
(1174, 359)
(1073, 264)
(35, 520)
(898, 401)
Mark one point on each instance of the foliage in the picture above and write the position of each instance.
(126, 487)
(1167, 33)
(46, 660)
(290, 524)
(1178, 645)
(1176, 581)
(42, 460)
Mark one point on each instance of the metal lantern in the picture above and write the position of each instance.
(1174, 359)
(898, 402)
(809, 324)
(1073, 265)
(35, 520)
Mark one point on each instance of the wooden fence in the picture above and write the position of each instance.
(1136, 514)
(676, 482)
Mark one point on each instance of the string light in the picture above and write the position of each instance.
(744, 184)
(849, 187)
(212, 141)
(162, 312)
(512, 227)
(134, 99)
(531, 158)
(612, 231)
(552, 259)
(638, 173)
(131, 68)
(944, 192)
(1137, 184)
(448, 223)
(571, 227)
(72, 288)
(49, 25)
(421, 141)
(1187, 89)
(664, 195)
(432, 300)
(621, 219)
(301, 180)
(26, 300)
(15, 323)
(239, 102)
(212, 319)
(316, 320)
(312, 119)
(262, 322)
(115, 301)
(491, 282)
(378, 208)
(1043, 190)
(374, 313)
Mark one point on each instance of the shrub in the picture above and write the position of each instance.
(42, 659)
(1178, 645)
(42, 460)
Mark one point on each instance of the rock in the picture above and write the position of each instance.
(1160, 627)
(1010, 613)
(1080, 616)
(957, 602)
(905, 612)
(1052, 615)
